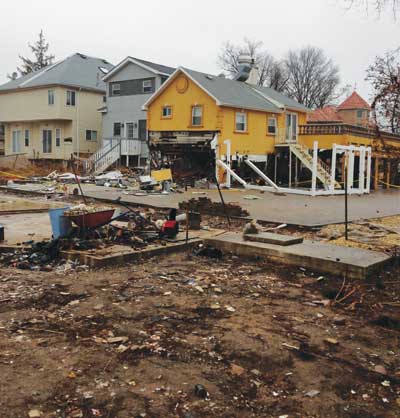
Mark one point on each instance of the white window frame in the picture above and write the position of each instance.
(92, 135)
(50, 97)
(167, 115)
(116, 89)
(147, 86)
(58, 137)
(16, 139)
(360, 116)
(71, 98)
(274, 125)
(244, 122)
(194, 108)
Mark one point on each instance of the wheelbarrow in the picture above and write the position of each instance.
(92, 219)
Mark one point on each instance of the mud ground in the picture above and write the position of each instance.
(263, 340)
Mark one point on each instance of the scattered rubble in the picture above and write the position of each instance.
(207, 206)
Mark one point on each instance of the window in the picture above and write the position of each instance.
(16, 142)
(167, 112)
(117, 129)
(360, 113)
(115, 89)
(58, 137)
(70, 98)
(271, 130)
(47, 139)
(241, 122)
(27, 137)
(197, 115)
(50, 97)
(104, 99)
(91, 135)
(147, 86)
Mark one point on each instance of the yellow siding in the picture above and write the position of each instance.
(326, 141)
(181, 109)
(256, 141)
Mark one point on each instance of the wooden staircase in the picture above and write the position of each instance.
(107, 155)
(323, 169)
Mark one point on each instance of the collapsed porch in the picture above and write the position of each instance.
(315, 163)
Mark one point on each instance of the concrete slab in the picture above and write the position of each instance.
(291, 209)
(325, 258)
(119, 256)
(271, 238)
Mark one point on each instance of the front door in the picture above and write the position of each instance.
(130, 130)
(16, 142)
(291, 127)
(47, 141)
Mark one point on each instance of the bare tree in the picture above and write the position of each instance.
(272, 72)
(313, 79)
(378, 6)
(41, 57)
(384, 75)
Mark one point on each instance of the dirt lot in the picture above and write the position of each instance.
(263, 340)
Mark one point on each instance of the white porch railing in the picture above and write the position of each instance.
(110, 152)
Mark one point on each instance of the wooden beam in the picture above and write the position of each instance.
(376, 174)
(387, 174)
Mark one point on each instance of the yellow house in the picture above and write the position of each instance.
(53, 113)
(197, 115)
(247, 133)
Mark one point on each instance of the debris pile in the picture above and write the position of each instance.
(207, 206)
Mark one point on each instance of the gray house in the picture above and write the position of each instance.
(129, 85)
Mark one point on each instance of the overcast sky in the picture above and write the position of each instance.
(189, 33)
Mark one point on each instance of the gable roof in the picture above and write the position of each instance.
(148, 65)
(354, 101)
(232, 93)
(77, 70)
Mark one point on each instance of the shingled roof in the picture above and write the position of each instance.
(159, 69)
(227, 92)
(354, 101)
(326, 114)
(78, 70)
(331, 113)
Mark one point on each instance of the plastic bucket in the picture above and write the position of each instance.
(60, 224)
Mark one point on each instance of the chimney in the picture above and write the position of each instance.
(254, 76)
(247, 71)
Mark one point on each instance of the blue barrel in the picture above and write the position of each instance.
(60, 224)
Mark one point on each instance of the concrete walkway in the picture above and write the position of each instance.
(291, 209)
